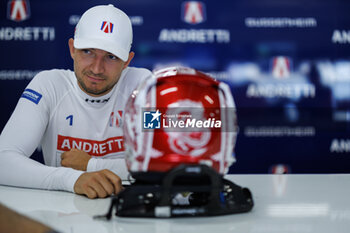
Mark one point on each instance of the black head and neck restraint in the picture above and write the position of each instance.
(207, 194)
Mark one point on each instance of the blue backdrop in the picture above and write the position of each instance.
(287, 63)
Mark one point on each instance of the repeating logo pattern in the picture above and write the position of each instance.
(193, 12)
(281, 67)
(18, 10)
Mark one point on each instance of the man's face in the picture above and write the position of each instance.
(97, 71)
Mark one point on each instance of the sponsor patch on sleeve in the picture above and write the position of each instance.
(31, 95)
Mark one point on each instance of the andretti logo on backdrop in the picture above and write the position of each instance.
(18, 10)
(193, 12)
(187, 119)
(285, 83)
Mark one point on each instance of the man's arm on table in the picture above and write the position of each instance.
(81, 160)
(21, 136)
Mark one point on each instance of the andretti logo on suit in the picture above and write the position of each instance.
(92, 147)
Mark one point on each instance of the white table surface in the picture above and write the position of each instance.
(283, 203)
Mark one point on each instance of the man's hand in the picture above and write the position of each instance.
(76, 159)
(98, 184)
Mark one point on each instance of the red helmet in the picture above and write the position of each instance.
(181, 116)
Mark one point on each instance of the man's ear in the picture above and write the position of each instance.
(71, 47)
(131, 56)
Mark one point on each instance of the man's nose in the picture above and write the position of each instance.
(97, 66)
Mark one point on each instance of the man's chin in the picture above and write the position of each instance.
(96, 92)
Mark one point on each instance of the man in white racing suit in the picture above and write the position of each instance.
(76, 117)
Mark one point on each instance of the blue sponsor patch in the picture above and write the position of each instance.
(32, 95)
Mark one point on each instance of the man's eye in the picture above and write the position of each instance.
(86, 51)
(112, 57)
